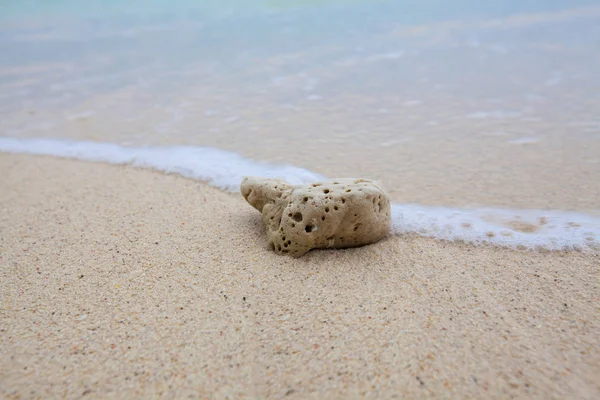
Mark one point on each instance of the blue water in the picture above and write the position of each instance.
(145, 39)
(446, 102)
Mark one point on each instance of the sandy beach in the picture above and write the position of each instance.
(481, 120)
(126, 283)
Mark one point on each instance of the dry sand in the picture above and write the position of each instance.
(125, 283)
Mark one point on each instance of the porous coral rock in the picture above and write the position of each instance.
(333, 214)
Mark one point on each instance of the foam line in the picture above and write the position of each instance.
(530, 229)
(220, 168)
(526, 229)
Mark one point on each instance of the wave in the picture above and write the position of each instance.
(524, 229)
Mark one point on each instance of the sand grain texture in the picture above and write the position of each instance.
(126, 283)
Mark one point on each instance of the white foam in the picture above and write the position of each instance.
(531, 229)
(385, 56)
(223, 169)
(528, 229)
(524, 140)
(80, 116)
(496, 114)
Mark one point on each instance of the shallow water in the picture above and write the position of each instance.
(448, 103)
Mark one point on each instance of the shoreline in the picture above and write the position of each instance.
(505, 227)
(129, 282)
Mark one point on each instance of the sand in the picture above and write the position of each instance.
(125, 283)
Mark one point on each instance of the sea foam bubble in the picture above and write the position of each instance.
(526, 229)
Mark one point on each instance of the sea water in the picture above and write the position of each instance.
(480, 118)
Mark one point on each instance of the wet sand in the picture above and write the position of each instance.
(119, 282)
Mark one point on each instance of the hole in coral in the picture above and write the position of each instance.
(348, 190)
(279, 247)
(335, 208)
(305, 199)
(326, 209)
(293, 225)
(322, 218)
(343, 200)
(308, 228)
(325, 191)
(285, 245)
(290, 215)
(285, 251)
(283, 238)
(297, 217)
(289, 242)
